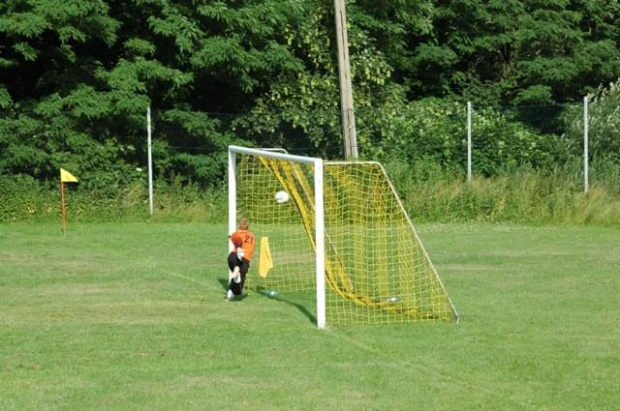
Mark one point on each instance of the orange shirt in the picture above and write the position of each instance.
(248, 244)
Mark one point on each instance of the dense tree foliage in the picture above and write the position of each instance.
(516, 51)
(76, 78)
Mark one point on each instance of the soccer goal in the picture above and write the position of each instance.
(337, 231)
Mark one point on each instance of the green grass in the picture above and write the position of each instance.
(132, 317)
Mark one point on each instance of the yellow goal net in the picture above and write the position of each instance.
(374, 266)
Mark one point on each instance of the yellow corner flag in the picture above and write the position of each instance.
(67, 177)
(265, 262)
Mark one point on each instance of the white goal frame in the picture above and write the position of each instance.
(318, 212)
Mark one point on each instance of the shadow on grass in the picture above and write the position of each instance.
(302, 309)
(224, 283)
(260, 291)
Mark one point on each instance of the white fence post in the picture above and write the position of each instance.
(469, 141)
(586, 182)
(150, 158)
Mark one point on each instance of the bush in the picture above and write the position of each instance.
(24, 198)
(603, 125)
(435, 129)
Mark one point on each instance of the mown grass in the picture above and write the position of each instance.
(132, 317)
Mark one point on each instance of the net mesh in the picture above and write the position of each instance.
(377, 271)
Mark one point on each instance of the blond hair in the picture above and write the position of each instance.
(244, 224)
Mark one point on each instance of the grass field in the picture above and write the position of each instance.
(132, 317)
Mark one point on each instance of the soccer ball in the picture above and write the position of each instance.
(236, 239)
(282, 197)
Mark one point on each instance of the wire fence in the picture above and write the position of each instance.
(477, 140)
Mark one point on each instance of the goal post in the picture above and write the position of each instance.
(317, 176)
(339, 232)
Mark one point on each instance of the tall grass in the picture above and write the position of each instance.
(430, 194)
(23, 199)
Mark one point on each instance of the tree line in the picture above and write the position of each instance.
(76, 78)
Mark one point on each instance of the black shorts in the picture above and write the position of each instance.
(243, 264)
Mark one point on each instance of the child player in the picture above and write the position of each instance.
(239, 258)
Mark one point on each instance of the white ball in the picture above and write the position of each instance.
(282, 197)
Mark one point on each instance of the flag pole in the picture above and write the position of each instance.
(64, 214)
(65, 177)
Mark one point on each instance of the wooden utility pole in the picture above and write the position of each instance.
(346, 92)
